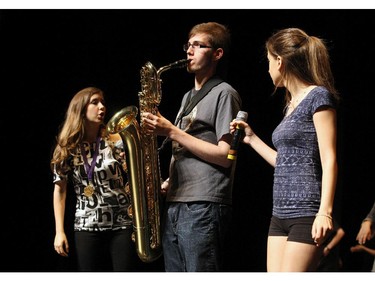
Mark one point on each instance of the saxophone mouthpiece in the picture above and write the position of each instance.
(181, 63)
(187, 61)
(177, 64)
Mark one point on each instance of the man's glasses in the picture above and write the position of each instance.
(194, 45)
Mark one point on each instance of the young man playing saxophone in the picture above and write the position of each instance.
(198, 208)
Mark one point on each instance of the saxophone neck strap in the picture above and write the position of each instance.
(192, 102)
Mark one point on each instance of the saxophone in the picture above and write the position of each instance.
(142, 161)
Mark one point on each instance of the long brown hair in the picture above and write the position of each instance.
(305, 58)
(72, 130)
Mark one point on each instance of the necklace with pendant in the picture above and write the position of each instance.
(294, 102)
(89, 188)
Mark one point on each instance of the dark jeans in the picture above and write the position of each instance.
(105, 250)
(194, 236)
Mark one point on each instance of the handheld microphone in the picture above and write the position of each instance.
(237, 136)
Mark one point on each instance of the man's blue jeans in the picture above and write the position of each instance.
(194, 236)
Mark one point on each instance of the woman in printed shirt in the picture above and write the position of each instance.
(89, 162)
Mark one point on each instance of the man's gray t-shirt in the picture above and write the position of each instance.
(191, 178)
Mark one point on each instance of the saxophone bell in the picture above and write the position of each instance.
(144, 195)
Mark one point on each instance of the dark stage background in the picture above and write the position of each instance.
(48, 55)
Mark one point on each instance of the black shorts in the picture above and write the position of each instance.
(297, 229)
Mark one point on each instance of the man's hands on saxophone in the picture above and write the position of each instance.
(164, 187)
(156, 124)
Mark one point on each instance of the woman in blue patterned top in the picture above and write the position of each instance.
(304, 157)
(90, 163)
